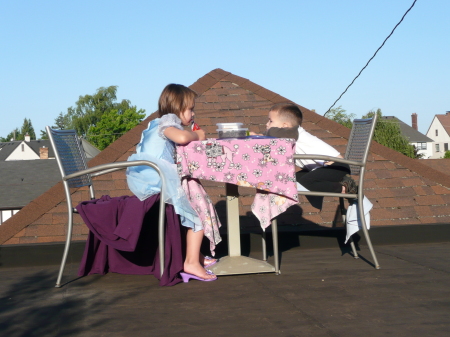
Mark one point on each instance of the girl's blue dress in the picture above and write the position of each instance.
(144, 181)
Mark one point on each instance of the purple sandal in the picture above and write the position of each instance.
(186, 277)
(207, 264)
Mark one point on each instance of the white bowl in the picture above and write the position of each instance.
(229, 125)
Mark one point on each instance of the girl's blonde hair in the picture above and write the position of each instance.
(175, 98)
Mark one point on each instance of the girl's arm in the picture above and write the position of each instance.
(183, 137)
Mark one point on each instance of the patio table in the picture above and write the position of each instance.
(261, 162)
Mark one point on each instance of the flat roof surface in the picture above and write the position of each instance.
(320, 292)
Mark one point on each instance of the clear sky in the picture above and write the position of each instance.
(54, 51)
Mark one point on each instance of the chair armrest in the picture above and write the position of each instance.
(328, 158)
(111, 167)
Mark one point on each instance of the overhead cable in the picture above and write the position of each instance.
(371, 58)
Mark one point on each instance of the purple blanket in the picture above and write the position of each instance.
(123, 238)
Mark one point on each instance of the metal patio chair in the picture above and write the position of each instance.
(356, 156)
(72, 163)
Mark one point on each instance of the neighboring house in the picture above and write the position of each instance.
(422, 143)
(404, 191)
(439, 131)
(27, 169)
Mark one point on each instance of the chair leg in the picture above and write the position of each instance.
(366, 233)
(264, 248)
(352, 244)
(161, 233)
(275, 246)
(66, 249)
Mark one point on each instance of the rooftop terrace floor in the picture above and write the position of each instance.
(319, 293)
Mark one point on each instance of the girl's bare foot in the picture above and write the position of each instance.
(207, 261)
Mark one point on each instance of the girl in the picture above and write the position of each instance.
(175, 108)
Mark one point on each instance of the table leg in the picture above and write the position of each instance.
(235, 263)
(233, 230)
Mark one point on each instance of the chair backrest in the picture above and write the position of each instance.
(359, 141)
(70, 155)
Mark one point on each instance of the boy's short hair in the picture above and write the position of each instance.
(175, 98)
(289, 112)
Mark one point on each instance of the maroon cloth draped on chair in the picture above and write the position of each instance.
(123, 238)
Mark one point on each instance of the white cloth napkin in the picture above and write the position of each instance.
(353, 220)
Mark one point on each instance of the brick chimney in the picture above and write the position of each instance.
(43, 152)
(414, 121)
(27, 138)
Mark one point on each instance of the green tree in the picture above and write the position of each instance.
(447, 154)
(19, 134)
(388, 133)
(101, 135)
(44, 134)
(89, 109)
(338, 115)
(27, 128)
(100, 116)
(61, 122)
(11, 136)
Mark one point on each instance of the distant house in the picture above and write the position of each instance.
(439, 131)
(423, 144)
(28, 169)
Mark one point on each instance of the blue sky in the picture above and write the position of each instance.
(307, 51)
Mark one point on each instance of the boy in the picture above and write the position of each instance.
(285, 121)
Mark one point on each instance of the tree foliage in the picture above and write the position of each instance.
(27, 129)
(101, 135)
(386, 132)
(338, 115)
(447, 154)
(99, 118)
(19, 134)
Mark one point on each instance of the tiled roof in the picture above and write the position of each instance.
(403, 190)
(409, 132)
(8, 147)
(442, 165)
(21, 181)
(445, 121)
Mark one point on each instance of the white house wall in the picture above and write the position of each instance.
(442, 138)
(22, 152)
(428, 152)
(6, 214)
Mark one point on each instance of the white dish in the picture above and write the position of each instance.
(229, 125)
(232, 133)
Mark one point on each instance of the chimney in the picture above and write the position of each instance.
(43, 152)
(414, 121)
(27, 138)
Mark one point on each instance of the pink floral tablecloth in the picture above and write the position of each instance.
(264, 163)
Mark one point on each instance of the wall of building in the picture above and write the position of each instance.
(23, 152)
(442, 138)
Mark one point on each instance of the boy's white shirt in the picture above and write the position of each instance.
(309, 144)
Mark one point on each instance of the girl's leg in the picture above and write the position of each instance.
(192, 263)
